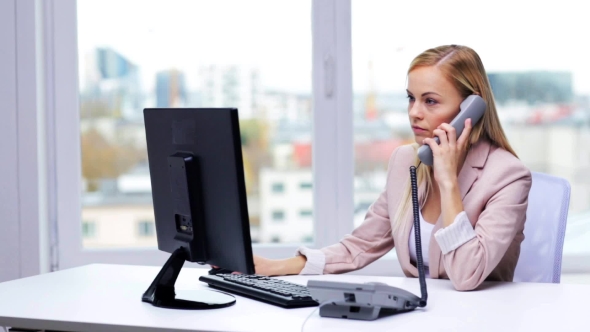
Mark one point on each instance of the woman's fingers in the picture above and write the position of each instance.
(465, 134)
(442, 136)
(451, 134)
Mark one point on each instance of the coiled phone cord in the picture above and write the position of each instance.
(416, 210)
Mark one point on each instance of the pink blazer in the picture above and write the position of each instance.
(494, 187)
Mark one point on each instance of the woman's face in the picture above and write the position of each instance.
(432, 100)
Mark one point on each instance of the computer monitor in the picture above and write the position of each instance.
(199, 197)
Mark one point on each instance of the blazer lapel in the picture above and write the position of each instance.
(476, 158)
(466, 177)
(404, 242)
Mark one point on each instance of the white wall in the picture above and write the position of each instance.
(20, 214)
(9, 218)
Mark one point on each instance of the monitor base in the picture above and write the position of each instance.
(197, 300)
(161, 292)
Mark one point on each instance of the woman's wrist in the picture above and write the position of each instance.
(293, 265)
(448, 185)
(451, 203)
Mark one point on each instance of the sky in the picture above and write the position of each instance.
(275, 36)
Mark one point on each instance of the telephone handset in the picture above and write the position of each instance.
(472, 107)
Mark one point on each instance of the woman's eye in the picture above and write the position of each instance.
(430, 101)
(410, 98)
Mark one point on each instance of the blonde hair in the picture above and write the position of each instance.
(462, 66)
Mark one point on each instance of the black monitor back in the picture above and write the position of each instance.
(198, 152)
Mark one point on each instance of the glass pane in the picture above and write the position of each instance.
(253, 55)
(537, 67)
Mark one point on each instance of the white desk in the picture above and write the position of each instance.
(108, 298)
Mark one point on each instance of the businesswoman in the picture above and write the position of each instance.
(473, 199)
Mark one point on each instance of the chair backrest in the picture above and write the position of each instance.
(544, 230)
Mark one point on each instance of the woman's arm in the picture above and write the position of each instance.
(371, 240)
(468, 264)
(470, 255)
(450, 202)
(449, 157)
(279, 267)
(368, 242)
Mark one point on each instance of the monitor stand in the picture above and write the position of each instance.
(161, 292)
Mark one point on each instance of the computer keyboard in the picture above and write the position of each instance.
(270, 290)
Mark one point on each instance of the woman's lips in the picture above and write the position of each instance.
(418, 130)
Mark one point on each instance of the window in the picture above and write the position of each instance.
(278, 188)
(168, 57)
(278, 215)
(88, 229)
(360, 211)
(538, 75)
(305, 185)
(175, 38)
(306, 238)
(381, 52)
(146, 229)
(367, 115)
(305, 213)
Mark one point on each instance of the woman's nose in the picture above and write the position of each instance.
(415, 111)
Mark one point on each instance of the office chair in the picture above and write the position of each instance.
(544, 230)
